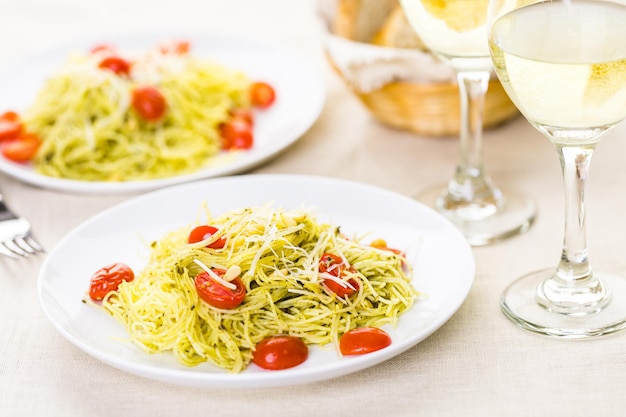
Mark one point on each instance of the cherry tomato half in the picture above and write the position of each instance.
(216, 294)
(244, 114)
(262, 94)
(280, 352)
(149, 103)
(200, 233)
(102, 48)
(236, 133)
(116, 64)
(363, 340)
(174, 47)
(10, 126)
(108, 279)
(333, 265)
(22, 149)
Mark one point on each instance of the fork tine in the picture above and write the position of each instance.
(20, 242)
(16, 240)
(5, 251)
(21, 246)
(12, 247)
(33, 243)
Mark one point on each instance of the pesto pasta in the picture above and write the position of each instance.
(278, 253)
(84, 116)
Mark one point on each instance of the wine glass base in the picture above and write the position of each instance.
(486, 225)
(519, 304)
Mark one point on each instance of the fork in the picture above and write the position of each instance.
(15, 237)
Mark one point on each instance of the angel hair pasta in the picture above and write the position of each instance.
(278, 255)
(90, 130)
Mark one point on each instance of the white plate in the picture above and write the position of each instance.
(300, 98)
(443, 262)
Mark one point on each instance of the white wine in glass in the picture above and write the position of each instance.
(455, 31)
(563, 63)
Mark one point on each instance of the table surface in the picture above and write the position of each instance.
(478, 363)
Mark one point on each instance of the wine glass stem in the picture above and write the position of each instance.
(470, 194)
(574, 264)
(573, 289)
(473, 89)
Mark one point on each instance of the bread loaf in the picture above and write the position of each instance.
(379, 22)
(360, 20)
(396, 32)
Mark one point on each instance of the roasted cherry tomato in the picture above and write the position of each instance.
(333, 265)
(22, 149)
(149, 103)
(280, 352)
(108, 279)
(363, 340)
(214, 293)
(10, 126)
(236, 133)
(174, 47)
(116, 64)
(244, 114)
(200, 233)
(262, 94)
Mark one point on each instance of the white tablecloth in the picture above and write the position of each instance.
(477, 364)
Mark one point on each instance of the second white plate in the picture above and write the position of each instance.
(299, 89)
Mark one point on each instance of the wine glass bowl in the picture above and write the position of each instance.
(563, 64)
(452, 29)
(455, 31)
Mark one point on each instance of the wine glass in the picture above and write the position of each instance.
(455, 31)
(563, 63)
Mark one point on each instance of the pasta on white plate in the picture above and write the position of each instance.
(89, 130)
(278, 254)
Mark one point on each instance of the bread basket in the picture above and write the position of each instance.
(402, 85)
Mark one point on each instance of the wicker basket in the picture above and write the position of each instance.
(428, 108)
(432, 109)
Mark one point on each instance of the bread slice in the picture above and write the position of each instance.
(396, 32)
(360, 20)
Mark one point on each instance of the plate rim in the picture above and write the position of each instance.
(294, 376)
(242, 163)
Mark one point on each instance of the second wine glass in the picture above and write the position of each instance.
(563, 63)
(454, 30)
